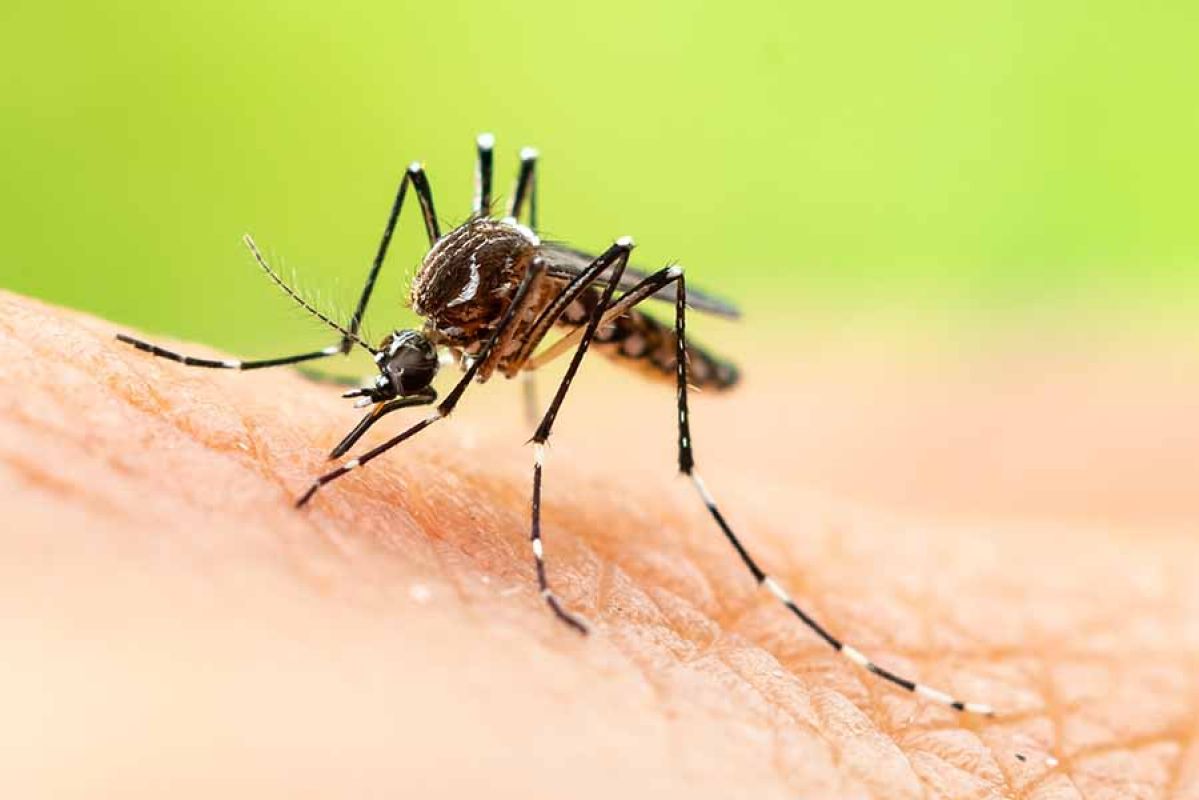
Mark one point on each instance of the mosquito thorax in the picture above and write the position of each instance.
(407, 363)
(469, 276)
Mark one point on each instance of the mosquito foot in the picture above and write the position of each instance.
(564, 615)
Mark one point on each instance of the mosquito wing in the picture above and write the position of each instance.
(566, 262)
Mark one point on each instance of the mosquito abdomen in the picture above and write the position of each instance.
(638, 340)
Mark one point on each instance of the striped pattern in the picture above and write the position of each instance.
(617, 257)
(852, 654)
(539, 550)
(227, 363)
(637, 340)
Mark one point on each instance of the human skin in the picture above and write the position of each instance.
(172, 626)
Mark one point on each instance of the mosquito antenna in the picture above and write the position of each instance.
(304, 304)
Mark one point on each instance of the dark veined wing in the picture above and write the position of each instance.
(566, 262)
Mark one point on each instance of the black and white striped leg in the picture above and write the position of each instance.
(228, 363)
(485, 146)
(447, 405)
(616, 257)
(648, 287)
(415, 174)
(851, 653)
(526, 188)
(538, 550)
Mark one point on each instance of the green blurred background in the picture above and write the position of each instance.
(923, 160)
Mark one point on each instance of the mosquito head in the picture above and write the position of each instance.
(407, 363)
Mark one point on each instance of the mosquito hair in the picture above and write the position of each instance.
(328, 296)
(300, 301)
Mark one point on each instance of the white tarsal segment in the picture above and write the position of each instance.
(703, 489)
(537, 549)
(232, 363)
(332, 350)
(538, 453)
(933, 694)
(354, 464)
(776, 590)
(855, 655)
(979, 708)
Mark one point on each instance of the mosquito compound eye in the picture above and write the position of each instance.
(414, 379)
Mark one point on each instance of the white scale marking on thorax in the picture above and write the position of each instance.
(471, 288)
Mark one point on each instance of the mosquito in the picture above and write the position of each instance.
(490, 292)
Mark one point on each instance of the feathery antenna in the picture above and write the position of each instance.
(346, 333)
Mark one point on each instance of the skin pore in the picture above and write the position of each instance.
(173, 626)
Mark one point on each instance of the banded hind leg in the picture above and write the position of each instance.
(686, 457)
(616, 258)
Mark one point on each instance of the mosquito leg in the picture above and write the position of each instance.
(526, 187)
(616, 257)
(377, 413)
(447, 405)
(648, 287)
(415, 174)
(227, 363)
(485, 144)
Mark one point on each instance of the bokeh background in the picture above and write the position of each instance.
(959, 163)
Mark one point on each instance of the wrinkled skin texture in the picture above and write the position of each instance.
(1020, 534)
